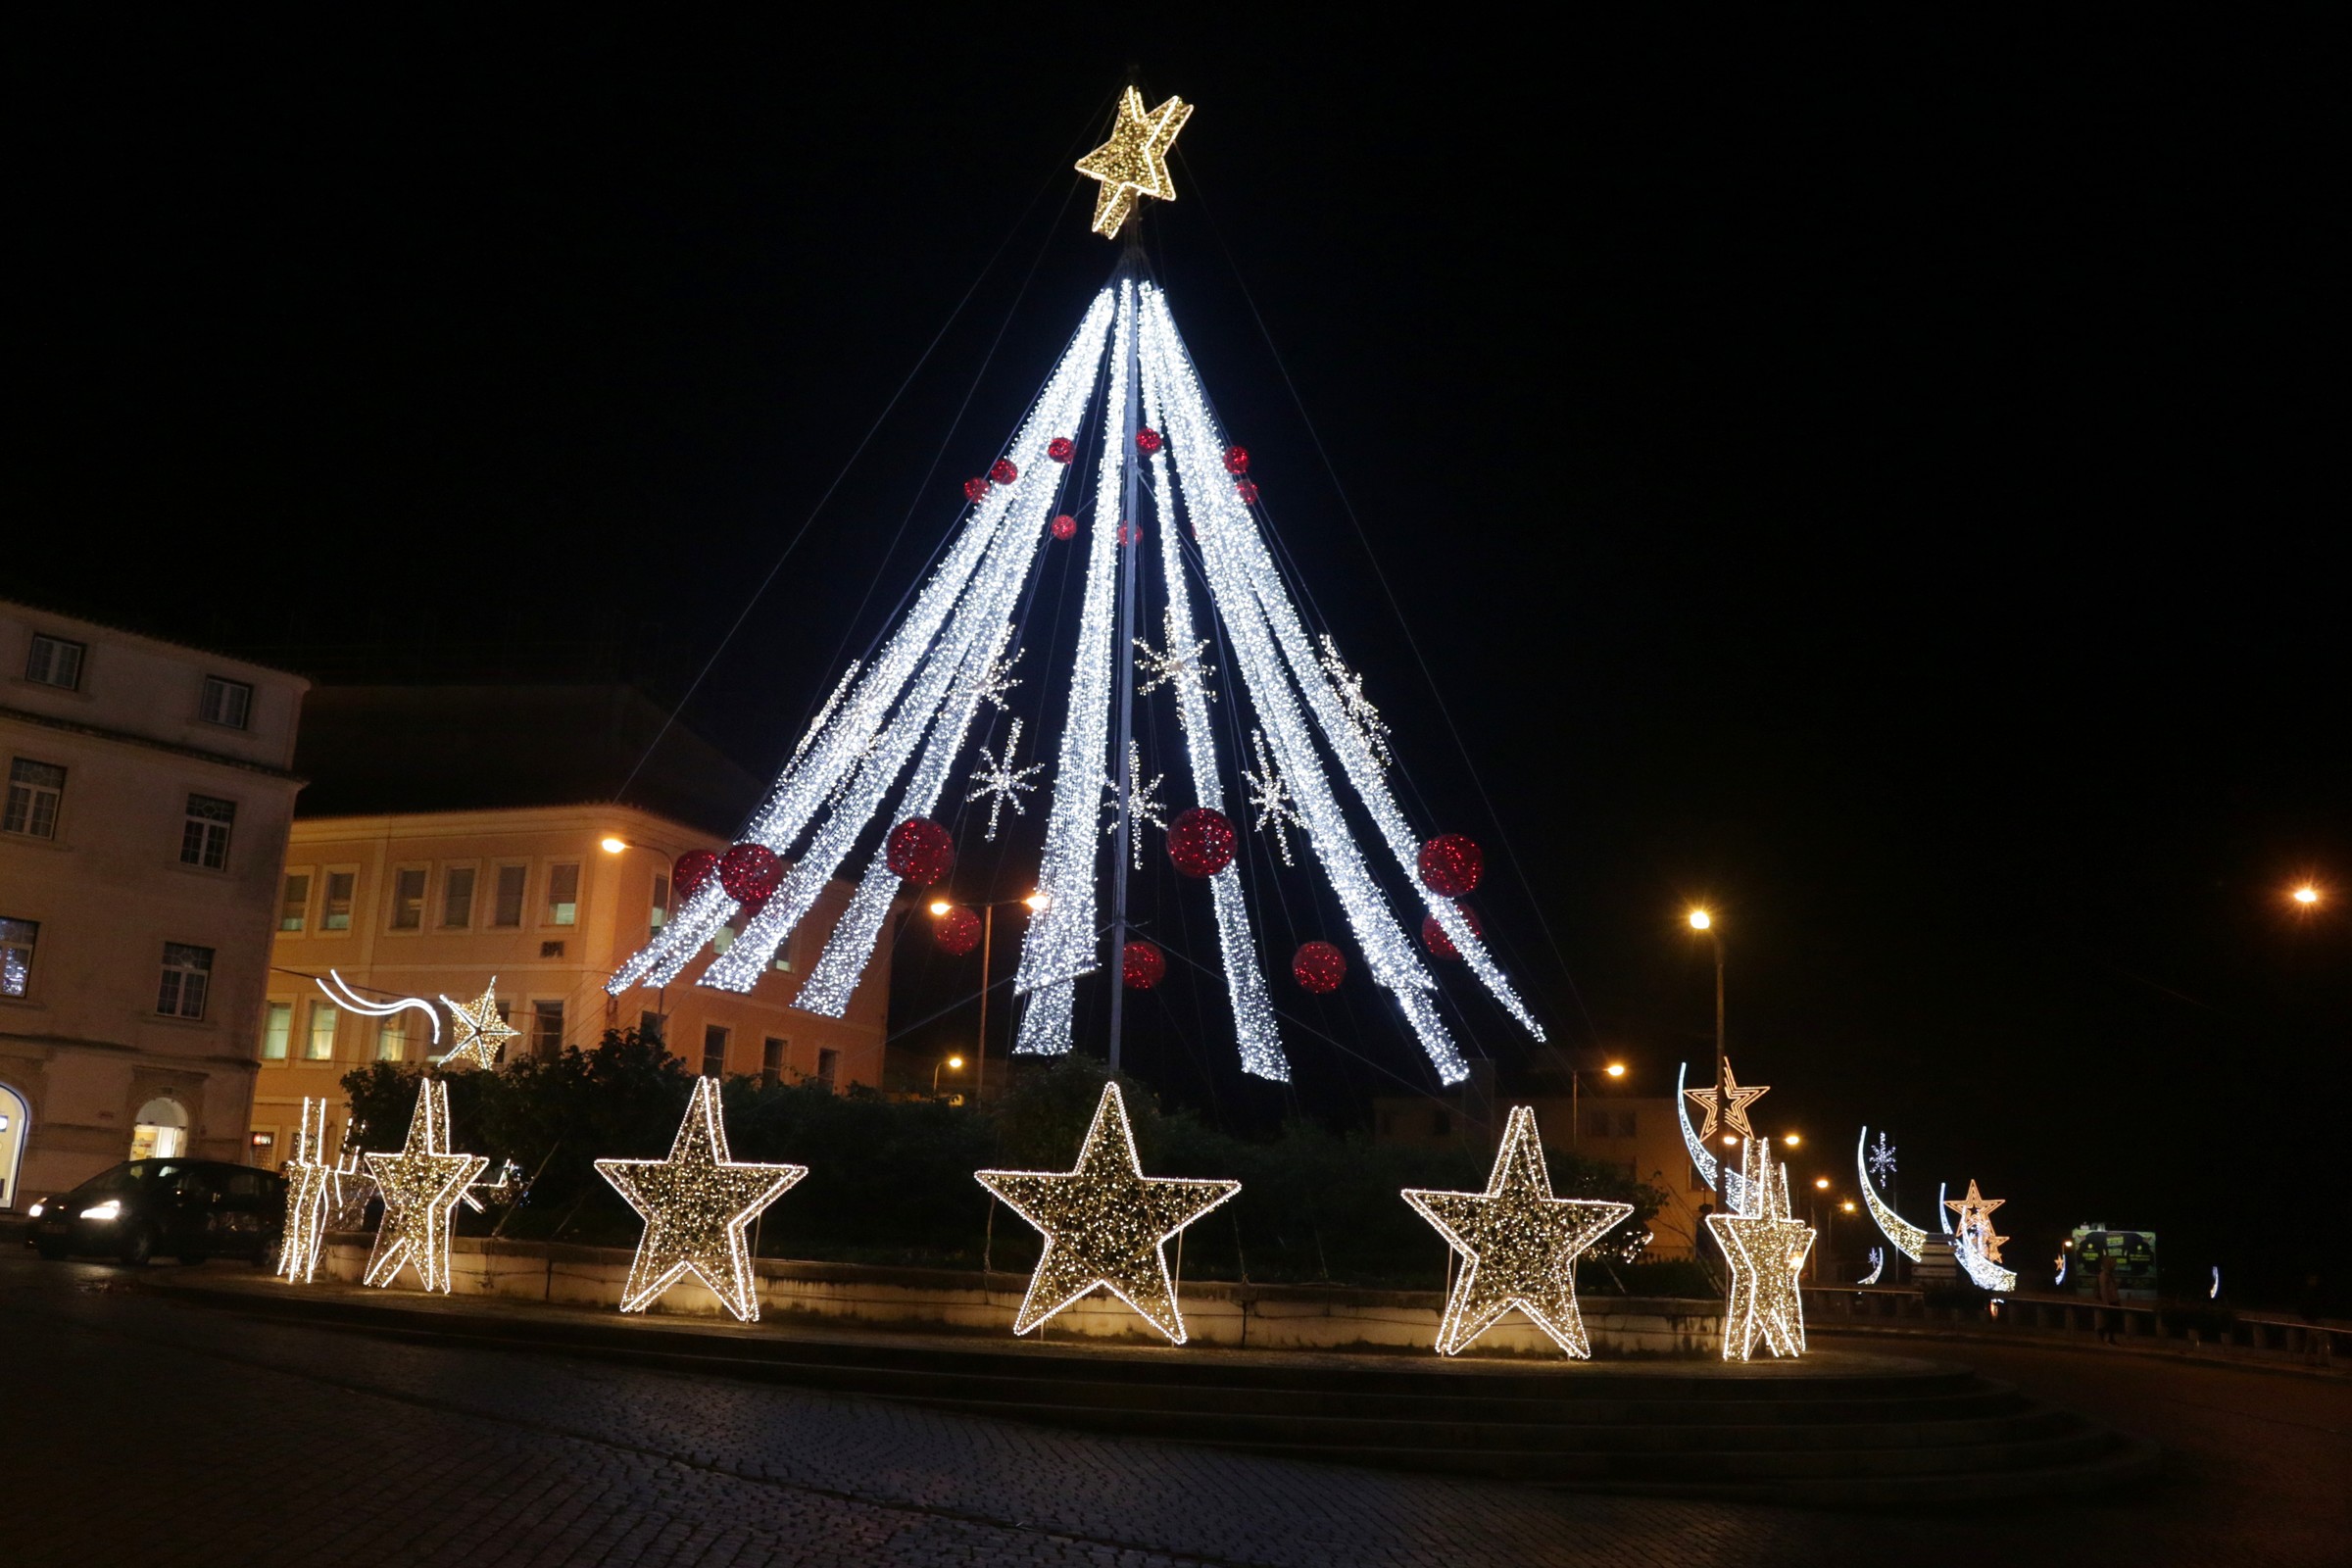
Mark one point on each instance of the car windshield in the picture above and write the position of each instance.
(123, 1178)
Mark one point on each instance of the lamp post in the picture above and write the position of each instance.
(1576, 1085)
(1701, 920)
(956, 1062)
(988, 941)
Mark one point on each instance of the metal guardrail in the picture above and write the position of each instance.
(2267, 1335)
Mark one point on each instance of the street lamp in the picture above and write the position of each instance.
(1792, 1138)
(1576, 1088)
(2307, 896)
(988, 941)
(1701, 920)
(954, 1064)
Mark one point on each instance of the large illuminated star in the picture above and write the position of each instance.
(1106, 1223)
(310, 1196)
(1134, 162)
(1741, 1098)
(482, 1032)
(1766, 1250)
(420, 1185)
(1975, 1213)
(697, 1206)
(1518, 1243)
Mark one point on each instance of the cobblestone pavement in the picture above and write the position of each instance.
(137, 1430)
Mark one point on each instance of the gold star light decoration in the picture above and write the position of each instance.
(1706, 1099)
(1134, 162)
(697, 1206)
(1766, 1248)
(1106, 1223)
(421, 1187)
(1975, 1213)
(482, 1032)
(309, 1197)
(1519, 1245)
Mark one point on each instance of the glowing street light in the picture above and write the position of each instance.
(1792, 1138)
(950, 1063)
(941, 905)
(1616, 1069)
(1701, 920)
(612, 845)
(1039, 902)
(1822, 1182)
(2306, 895)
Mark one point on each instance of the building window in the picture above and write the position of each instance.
(392, 1037)
(34, 792)
(506, 910)
(564, 894)
(547, 1030)
(407, 898)
(336, 915)
(1625, 1124)
(457, 897)
(17, 937)
(772, 1061)
(203, 835)
(294, 901)
(187, 976)
(651, 1025)
(319, 1044)
(715, 1052)
(226, 702)
(660, 914)
(55, 661)
(278, 1030)
(828, 1064)
(1596, 1122)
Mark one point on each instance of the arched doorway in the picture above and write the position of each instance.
(16, 1123)
(161, 1130)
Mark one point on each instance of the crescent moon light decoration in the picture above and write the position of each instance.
(1909, 1240)
(1730, 1183)
(1878, 1267)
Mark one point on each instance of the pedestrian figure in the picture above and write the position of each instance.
(2111, 1300)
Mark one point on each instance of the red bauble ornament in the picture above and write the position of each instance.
(1200, 841)
(691, 870)
(1319, 967)
(1451, 864)
(1065, 526)
(920, 851)
(1145, 967)
(1247, 492)
(1003, 472)
(1236, 460)
(750, 871)
(1060, 449)
(749, 911)
(1434, 937)
(974, 489)
(957, 931)
(1130, 532)
(1146, 440)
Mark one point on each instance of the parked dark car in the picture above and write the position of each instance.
(189, 1208)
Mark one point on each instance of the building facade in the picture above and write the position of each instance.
(549, 901)
(149, 789)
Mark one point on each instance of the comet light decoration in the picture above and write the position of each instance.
(1106, 1225)
(421, 1187)
(697, 1205)
(1518, 1243)
(481, 1033)
(1001, 784)
(896, 728)
(1766, 1250)
(339, 992)
(1908, 1239)
(1718, 1176)
(1878, 1267)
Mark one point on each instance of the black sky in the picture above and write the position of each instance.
(1878, 482)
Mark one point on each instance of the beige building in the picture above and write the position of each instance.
(549, 899)
(148, 791)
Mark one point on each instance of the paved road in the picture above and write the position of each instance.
(137, 1430)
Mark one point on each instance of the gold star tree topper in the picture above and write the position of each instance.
(482, 1032)
(1134, 162)
(1975, 1213)
(421, 1187)
(1519, 1245)
(1766, 1248)
(697, 1206)
(1106, 1223)
(1706, 1099)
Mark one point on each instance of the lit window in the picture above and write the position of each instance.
(715, 1052)
(319, 1044)
(226, 702)
(294, 902)
(203, 834)
(547, 1030)
(17, 939)
(336, 915)
(563, 894)
(34, 792)
(828, 1064)
(457, 897)
(508, 908)
(407, 898)
(772, 1061)
(278, 1030)
(392, 1037)
(55, 661)
(187, 976)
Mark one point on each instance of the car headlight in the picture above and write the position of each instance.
(112, 1208)
(35, 1212)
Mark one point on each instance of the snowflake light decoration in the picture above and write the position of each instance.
(1766, 1250)
(1881, 1158)
(1370, 728)
(1183, 667)
(1271, 799)
(1144, 805)
(988, 684)
(1001, 784)
(421, 1187)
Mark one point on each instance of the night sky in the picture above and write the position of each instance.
(1869, 481)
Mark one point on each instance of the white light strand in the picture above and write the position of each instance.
(1370, 728)
(1718, 1176)
(1218, 522)
(1908, 1239)
(1206, 480)
(1061, 941)
(1144, 806)
(991, 684)
(972, 642)
(1986, 1273)
(999, 783)
(1271, 799)
(342, 996)
(816, 725)
(843, 742)
(1256, 1033)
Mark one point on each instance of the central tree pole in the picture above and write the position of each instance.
(1122, 746)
